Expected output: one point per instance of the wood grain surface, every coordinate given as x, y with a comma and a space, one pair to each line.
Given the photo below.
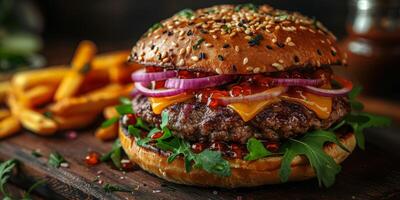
370, 174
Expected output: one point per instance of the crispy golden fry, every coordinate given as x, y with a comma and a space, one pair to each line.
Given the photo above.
93, 102
95, 79
9, 126
36, 96
75, 122
80, 66
4, 113
109, 60
110, 112
122, 73
4, 88
107, 133
48, 76
31, 119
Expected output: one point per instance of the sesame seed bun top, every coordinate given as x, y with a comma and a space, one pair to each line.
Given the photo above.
243, 39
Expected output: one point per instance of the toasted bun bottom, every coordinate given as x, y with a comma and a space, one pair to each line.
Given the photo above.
244, 173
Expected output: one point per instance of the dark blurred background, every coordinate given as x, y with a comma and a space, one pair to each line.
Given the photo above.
369, 30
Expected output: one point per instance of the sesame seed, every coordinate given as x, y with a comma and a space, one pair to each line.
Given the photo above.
208, 45
245, 60
181, 62
278, 66
274, 40
237, 49
165, 59
188, 49
157, 36
247, 37
174, 44
280, 61
182, 51
214, 36
292, 44
288, 39
164, 54
218, 70
249, 68
256, 70
195, 58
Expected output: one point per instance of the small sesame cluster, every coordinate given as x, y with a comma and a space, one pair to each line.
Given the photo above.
189, 36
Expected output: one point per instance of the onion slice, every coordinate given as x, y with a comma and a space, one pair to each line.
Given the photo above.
296, 81
198, 83
142, 76
156, 93
267, 94
347, 86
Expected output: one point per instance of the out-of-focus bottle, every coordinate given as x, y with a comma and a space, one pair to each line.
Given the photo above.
373, 46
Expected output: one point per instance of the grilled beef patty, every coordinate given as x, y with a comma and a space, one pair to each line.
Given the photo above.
195, 121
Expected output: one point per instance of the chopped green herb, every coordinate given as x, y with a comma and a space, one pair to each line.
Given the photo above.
125, 101
256, 150
109, 122
132, 130
55, 160
255, 40
164, 119
282, 17
212, 162
124, 109
154, 27
141, 124
186, 13
36, 154
198, 43
27, 194
109, 188
85, 69
106, 157
6, 169
226, 28
248, 6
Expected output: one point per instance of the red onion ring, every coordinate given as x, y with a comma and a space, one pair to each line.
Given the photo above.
198, 83
346, 84
267, 94
142, 76
296, 81
156, 93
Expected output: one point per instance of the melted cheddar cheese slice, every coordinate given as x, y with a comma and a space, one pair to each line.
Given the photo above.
158, 104
248, 110
322, 106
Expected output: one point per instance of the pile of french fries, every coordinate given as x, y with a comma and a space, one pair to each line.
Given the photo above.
58, 98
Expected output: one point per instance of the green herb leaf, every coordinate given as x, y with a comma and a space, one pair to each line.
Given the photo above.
6, 169
27, 194
36, 154
164, 119
55, 160
125, 101
124, 109
186, 13
109, 122
106, 157
109, 188
212, 162
255, 41
143, 142
248, 6
354, 103
311, 145
134, 131
116, 158
154, 27
141, 124
256, 150
361, 121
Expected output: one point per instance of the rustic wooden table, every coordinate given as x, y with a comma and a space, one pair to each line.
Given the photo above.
370, 174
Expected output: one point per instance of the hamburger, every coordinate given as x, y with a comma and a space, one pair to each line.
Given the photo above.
239, 96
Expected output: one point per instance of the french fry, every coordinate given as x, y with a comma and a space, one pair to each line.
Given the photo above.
93, 102
107, 133
31, 119
110, 112
4, 88
9, 126
74, 122
107, 60
29, 79
122, 73
36, 96
4, 113
94, 79
80, 65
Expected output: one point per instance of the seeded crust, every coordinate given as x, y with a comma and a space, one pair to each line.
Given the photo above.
244, 173
225, 40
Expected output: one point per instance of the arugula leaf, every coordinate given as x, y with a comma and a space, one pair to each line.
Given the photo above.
125, 101
116, 158
6, 169
55, 160
124, 109
109, 122
141, 124
109, 188
354, 103
106, 157
311, 145
27, 194
212, 162
134, 131
360, 121
256, 150
164, 119
36, 154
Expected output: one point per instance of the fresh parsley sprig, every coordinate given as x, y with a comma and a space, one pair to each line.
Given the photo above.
6, 169
55, 160
109, 188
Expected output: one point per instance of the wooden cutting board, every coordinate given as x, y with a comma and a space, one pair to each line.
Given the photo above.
370, 174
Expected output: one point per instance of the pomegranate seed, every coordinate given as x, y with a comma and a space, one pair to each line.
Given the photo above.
236, 91
198, 147
246, 90
219, 146
237, 151
272, 146
129, 119
157, 135
93, 158
159, 84
213, 103
127, 165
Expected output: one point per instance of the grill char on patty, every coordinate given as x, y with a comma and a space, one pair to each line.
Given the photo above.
196, 122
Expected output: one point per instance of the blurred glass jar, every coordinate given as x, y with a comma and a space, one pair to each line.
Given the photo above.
373, 46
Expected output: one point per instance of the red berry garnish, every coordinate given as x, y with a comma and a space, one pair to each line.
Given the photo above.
93, 158
157, 135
